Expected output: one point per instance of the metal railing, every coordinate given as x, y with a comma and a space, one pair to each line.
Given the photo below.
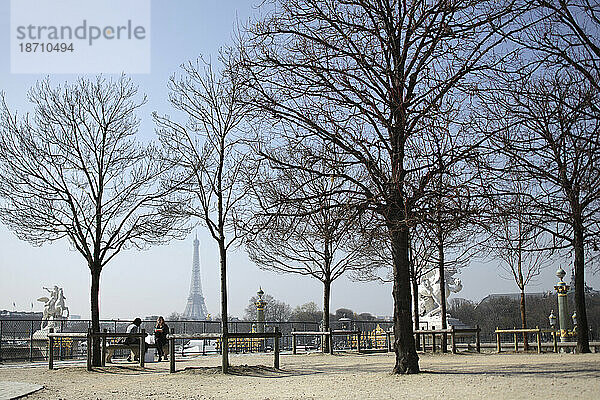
18, 344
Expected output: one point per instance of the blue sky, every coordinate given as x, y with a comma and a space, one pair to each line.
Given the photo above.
157, 281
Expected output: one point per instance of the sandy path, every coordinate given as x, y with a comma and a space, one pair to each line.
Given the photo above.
315, 376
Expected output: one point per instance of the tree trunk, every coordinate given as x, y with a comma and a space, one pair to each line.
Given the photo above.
415, 300
521, 283
524, 320
407, 360
224, 319
441, 267
415, 287
583, 340
326, 299
95, 312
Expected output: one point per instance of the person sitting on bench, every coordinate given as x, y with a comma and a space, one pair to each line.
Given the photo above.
133, 342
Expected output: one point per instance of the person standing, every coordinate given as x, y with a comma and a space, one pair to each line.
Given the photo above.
160, 337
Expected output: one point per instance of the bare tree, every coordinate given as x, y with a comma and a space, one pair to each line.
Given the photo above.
370, 77
303, 223
551, 135
307, 312
73, 169
206, 154
275, 310
446, 225
516, 238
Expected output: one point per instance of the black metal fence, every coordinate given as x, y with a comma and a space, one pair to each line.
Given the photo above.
18, 342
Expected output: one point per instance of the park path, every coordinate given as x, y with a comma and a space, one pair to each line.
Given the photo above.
15, 390
317, 376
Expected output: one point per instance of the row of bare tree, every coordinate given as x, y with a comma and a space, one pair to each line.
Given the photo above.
337, 136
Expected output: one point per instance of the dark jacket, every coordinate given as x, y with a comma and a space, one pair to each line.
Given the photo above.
161, 336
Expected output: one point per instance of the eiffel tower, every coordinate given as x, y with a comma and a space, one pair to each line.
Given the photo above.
195, 308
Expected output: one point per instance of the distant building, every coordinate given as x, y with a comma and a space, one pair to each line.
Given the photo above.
20, 315
515, 296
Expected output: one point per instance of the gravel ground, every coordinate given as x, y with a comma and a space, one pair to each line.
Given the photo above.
317, 376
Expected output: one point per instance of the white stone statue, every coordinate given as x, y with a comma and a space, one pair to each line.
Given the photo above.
54, 307
61, 308
429, 291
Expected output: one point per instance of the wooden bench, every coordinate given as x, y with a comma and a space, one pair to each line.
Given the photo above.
133, 348
171, 337
105, 336
326, 335
454, 332
60, 335
515, 332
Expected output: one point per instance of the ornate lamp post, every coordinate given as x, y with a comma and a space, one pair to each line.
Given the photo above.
561, 289
260, 311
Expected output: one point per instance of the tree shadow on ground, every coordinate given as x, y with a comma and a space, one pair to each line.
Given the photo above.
258, 371
533, 370
124, 370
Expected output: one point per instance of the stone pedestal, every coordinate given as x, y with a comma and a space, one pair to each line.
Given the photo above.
40, 342
40, 338
435, 322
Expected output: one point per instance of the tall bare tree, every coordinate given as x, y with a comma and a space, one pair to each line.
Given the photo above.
445, 224
206, 154
370, 77
303, 223
73, 169
549, 129
517, 239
